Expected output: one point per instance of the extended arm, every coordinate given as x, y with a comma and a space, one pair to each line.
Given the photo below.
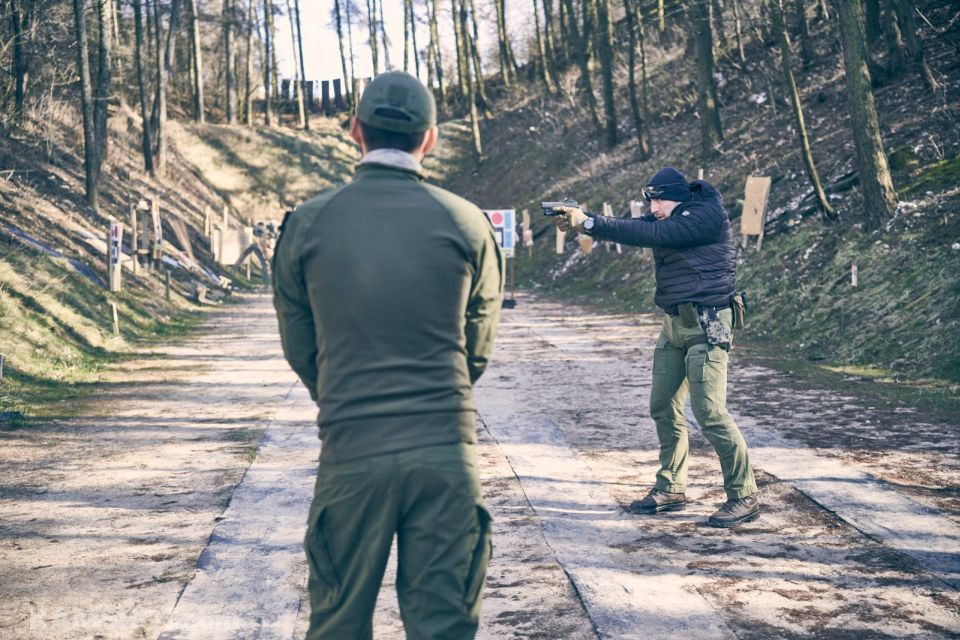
695, 226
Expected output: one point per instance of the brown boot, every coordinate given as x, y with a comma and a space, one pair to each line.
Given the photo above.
657, 501
736, 511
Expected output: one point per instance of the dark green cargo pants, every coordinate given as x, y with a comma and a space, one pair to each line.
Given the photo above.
431, 499
700, 371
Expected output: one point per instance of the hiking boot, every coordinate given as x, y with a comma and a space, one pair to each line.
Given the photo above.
736, 511
657, 501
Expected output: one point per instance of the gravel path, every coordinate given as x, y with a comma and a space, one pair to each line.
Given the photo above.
151, 513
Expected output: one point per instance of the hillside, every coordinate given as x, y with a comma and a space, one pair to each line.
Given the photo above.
902, 320
55, 313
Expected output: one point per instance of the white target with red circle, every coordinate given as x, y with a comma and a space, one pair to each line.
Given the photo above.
504, 227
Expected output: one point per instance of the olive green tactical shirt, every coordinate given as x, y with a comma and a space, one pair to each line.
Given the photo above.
388, 293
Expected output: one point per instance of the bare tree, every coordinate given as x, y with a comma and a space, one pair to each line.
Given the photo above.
229, 24
435, 60
372, 27
160, 104
104, 82
248, 89
461, 18
413, 38
383, 35
582, 48
86, 103
303, 71
195, 42
906, 11
21, 20
605, 53
541, 51
141, 84
459, 33
297, 67
472, 41
880, 198
779, 26
508, 65
640, 122
268, 55
343, 56
711, 132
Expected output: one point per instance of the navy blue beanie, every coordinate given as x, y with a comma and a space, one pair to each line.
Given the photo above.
668, 184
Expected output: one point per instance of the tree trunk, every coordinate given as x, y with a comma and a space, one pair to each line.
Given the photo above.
779, 26
872, 21
806, 43
195, 42
583, 61
541, 51
372, 28
436, 60
104, 82
353, 70
638, 121
478, 67
141, 84
21, 13
161, 101
248, 72
406, 35
906, 14
268, 44
896, 48
343, 56
710, 128
605, 53
459, 34
86, 104
413, 38
230, 71
549, 41
383, 35
738, 30
297, 66
880, 198
716, 15
303, 71
471, 96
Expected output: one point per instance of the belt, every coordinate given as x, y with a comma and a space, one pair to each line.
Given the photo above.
674, 310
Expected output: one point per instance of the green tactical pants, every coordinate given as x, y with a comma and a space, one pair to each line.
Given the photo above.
431, 499
701, 372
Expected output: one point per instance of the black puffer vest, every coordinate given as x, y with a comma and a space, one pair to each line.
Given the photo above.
693, 249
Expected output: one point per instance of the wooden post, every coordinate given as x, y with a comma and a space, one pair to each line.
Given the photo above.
226, 217
134, 246
116, 319
157, 255
1, 367
114, 254
853, 274
325, 97
608, 211
166, 283
337, 95
527, 233
561, 236
206, 221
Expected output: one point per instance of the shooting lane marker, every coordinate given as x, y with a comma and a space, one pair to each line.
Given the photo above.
116, 319
561, 237
636, 210
527, 233
114, 255
133, 239
754, 209
157, 253
853, 274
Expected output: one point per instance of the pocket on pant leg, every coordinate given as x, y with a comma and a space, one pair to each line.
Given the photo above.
479, 560
323, 572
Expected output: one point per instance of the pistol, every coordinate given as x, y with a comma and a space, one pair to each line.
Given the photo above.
550, 208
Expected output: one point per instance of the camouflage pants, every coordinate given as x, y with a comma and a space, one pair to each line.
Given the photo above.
699, 371
430, 498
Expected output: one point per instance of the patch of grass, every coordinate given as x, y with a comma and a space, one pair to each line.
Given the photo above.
934, 177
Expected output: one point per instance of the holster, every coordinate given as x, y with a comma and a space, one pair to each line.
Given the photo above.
738, 304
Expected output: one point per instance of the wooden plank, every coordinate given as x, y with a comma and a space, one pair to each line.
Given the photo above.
754, 205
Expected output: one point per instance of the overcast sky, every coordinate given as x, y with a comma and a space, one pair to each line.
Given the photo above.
321, 52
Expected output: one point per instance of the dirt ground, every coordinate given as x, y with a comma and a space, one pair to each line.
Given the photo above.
105, 511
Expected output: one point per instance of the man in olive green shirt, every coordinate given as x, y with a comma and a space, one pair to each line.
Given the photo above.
388, 292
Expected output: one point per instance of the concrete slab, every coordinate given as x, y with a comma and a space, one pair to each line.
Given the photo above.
250, 578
